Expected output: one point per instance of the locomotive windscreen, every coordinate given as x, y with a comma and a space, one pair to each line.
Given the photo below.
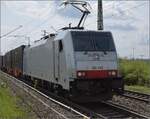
92, 41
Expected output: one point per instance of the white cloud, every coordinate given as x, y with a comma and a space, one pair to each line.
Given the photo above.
33, 9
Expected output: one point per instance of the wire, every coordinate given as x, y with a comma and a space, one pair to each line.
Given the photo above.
125, 10
5, 35
45, 21
129, 9
31, 21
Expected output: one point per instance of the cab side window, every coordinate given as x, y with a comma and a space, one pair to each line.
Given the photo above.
60, 46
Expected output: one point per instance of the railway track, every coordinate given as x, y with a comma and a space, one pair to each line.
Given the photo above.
97, 110
109, 110
106, 110
137, 96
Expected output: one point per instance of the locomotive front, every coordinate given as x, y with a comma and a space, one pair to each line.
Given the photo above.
95, 64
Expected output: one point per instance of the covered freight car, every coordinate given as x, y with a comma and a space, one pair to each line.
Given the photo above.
1, 62
13, 61
4, 63
8, 62
17, 61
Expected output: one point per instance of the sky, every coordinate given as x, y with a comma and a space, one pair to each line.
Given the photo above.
127, 20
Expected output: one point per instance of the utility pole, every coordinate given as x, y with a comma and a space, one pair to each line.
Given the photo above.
100, 15
28, 38
133, 53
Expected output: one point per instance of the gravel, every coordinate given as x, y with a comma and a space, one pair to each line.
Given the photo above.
133, 104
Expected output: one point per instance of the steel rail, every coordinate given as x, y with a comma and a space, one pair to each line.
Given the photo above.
136, 95
127, 110
110, 110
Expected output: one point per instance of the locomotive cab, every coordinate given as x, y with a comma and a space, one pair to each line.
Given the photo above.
95, 55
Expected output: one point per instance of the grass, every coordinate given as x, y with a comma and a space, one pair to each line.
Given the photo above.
8, 105
141, 89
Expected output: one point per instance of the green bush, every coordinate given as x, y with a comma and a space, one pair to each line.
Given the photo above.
131, 79
135, 72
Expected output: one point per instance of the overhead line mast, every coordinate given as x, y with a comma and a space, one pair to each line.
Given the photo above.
100, 15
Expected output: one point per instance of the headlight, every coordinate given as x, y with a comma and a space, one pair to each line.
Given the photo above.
80, 74
109, 73
113, 73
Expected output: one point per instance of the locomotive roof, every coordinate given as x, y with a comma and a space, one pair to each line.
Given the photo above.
62, 34
42, 40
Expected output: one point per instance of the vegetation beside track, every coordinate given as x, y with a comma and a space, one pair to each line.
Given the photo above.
9, 105
136, 88
135, 72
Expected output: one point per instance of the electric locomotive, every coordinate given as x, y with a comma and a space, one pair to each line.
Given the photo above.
78, 62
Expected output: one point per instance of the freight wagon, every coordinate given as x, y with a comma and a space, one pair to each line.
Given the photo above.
13, 61
17, 61
1, 62
8, 62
